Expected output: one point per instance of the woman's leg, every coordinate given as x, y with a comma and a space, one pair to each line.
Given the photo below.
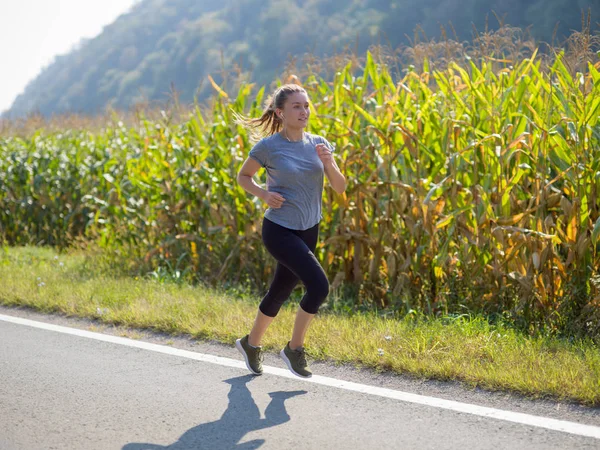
284, 282
303, 318
308, 269
297, 255
261, 323
296, 261
291, 249
281, 287
301, 324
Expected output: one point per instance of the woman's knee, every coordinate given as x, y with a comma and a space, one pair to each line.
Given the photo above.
316, 293
270, 308
321, 288
273, 301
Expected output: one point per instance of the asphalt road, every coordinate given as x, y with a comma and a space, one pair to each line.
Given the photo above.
62, 391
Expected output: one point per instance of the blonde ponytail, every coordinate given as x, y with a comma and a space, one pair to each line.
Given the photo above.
269, 122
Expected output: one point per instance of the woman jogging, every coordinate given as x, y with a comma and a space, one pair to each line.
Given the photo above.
295, 162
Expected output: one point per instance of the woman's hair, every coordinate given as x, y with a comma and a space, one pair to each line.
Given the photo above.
269, 122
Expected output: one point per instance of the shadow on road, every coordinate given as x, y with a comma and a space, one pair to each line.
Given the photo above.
241, 417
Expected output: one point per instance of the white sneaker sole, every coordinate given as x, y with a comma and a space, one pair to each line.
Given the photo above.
238, 345
289, 364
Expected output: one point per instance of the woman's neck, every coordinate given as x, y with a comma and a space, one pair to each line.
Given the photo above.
292, 135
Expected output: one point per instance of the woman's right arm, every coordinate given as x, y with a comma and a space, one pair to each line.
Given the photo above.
246, 181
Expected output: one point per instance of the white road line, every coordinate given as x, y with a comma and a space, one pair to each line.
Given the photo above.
509, 416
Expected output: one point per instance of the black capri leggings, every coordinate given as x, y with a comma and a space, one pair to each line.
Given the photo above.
294, 252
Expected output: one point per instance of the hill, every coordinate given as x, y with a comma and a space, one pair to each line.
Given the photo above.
161, 44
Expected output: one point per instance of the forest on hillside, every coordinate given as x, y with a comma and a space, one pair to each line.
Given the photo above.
163, 46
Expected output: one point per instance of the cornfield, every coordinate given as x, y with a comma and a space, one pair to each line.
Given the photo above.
472, 187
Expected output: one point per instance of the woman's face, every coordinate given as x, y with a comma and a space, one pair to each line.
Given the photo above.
296, 111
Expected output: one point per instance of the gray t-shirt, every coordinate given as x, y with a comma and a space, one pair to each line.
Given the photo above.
295, 171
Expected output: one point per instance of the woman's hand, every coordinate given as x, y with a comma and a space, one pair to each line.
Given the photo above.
332, 171
324, 154
273, 199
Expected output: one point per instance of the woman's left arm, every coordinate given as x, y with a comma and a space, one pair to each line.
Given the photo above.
332, 171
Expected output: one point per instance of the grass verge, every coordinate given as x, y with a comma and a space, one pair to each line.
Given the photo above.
465, 349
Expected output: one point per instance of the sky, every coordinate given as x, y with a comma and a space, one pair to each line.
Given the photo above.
33, 32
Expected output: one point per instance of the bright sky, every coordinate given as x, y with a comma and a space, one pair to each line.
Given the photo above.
32, 32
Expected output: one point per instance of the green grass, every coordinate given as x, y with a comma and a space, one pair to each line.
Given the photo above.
465, 349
